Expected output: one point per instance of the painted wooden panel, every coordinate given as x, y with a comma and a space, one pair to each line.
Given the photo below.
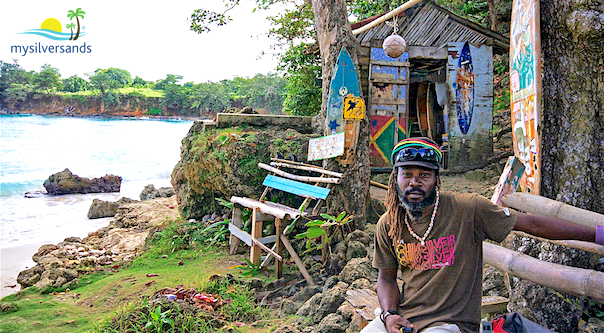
388, 86
470, 80
525, 90
295, 187
326, 147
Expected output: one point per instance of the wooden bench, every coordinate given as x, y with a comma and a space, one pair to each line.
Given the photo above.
365, 301
281, 215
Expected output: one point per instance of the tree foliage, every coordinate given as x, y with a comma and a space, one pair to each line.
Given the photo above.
105, 80
14, 83
75, 83
48, 78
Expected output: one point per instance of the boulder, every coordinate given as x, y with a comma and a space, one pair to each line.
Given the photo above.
322, 304
289, 307
362, 283
28, 277
100, 208
7, 307
356, 249
44, 250
333, 323
356, 269
43, 283
149, 192
360, 236
65, 182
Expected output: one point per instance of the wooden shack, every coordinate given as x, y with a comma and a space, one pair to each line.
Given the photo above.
442, 87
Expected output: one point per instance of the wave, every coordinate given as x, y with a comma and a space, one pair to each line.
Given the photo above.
51, 34
19, 188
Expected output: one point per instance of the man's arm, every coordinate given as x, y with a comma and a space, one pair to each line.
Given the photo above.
553, 228
389, 296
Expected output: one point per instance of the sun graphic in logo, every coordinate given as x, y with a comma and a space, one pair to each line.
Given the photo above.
53, 29
52, 24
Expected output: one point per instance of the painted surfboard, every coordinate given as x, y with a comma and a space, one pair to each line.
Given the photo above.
344, 82
525, 90
464, 89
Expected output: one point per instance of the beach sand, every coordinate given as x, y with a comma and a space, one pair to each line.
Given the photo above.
12, 261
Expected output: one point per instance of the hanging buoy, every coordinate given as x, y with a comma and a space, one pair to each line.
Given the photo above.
394, 45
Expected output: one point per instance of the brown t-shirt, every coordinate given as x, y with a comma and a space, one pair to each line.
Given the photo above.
443, 278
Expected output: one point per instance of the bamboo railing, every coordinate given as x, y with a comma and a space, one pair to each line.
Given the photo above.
576, 281
571, 280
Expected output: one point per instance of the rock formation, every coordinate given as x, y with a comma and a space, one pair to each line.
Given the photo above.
149, 192
100, 208
65, 182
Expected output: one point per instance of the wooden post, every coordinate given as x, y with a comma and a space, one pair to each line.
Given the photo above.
279, 246
256, 233
297, 260
238, 222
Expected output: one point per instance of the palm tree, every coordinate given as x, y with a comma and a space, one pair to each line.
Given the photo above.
70, 26
77, 14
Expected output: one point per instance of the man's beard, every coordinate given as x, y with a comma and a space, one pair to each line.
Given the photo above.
415, 208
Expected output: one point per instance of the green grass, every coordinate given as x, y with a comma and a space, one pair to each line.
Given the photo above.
145, 92
100, 295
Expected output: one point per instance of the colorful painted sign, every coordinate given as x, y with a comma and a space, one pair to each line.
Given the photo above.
344, 82
509, 180
388, 84
464, 89
354, 108
525, 90
326, 147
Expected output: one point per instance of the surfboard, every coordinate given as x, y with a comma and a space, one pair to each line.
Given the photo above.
464, 89
525, 90
344, 82
430, 113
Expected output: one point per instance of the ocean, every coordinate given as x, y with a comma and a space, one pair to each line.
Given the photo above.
141, 151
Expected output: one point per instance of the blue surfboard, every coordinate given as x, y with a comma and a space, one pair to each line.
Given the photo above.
464, 89
344, 82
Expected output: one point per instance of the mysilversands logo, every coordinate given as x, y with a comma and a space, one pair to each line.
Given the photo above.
51, 28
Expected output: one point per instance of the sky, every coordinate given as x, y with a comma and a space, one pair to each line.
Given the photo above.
148, 39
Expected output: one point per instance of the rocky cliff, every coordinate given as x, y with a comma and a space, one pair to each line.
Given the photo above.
222, 162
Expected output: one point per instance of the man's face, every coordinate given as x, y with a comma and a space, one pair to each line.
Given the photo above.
415, 184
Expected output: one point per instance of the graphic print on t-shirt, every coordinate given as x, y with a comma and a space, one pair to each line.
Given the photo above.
436, 254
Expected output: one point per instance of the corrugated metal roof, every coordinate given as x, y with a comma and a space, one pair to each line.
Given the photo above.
432, 25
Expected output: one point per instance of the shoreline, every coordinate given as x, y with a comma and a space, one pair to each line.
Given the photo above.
14, 260
102, 116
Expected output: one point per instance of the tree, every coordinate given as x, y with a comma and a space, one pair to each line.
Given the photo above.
70, 26
48, 78
77, 14
109, 79
170, 79
13, 73
572, 135
75, 83
333, 32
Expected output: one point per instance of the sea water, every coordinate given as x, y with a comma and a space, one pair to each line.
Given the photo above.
34, 147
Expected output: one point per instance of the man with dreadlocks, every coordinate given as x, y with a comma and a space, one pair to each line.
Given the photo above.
435, 239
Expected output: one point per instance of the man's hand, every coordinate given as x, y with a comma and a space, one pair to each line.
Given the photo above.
395, 322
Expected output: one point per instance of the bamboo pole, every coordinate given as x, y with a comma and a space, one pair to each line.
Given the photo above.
376, 184
580, 245
543, 206
300, 178
307, 168
576, 281
386, 17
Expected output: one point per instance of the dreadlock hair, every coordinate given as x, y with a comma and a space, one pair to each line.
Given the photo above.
395, 209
